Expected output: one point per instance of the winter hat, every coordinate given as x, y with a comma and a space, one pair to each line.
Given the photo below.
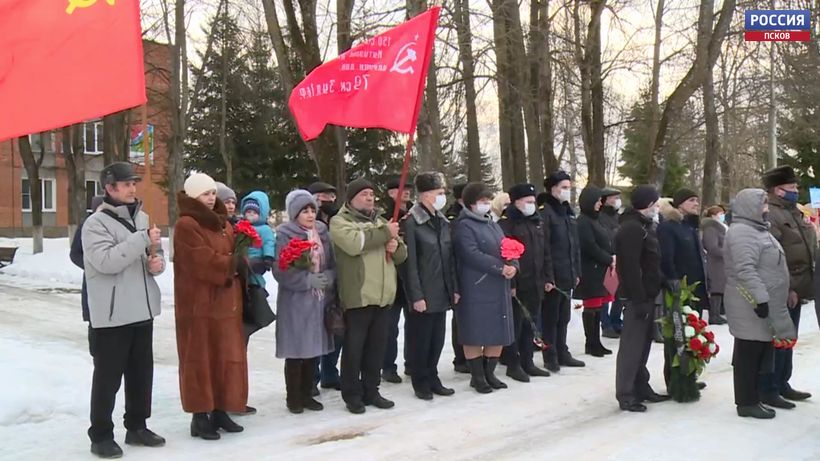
643, 196
428, 181
779, 176
541, 198
356, 186
296, 201
199, 183
392, 183
519, 191
555, 178
458, 189
251, 205
609, 192
474, 192
318, 187
682, 195
224, 192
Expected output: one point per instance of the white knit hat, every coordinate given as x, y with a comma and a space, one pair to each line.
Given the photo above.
199, 183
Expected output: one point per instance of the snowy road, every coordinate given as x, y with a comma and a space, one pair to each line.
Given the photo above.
46, 380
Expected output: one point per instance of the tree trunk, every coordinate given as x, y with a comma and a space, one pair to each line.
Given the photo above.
710, 162
116, 138
32, 166
74, 154
344, 41
508, 178
465, 51
654, 103
227, 157
709, 43
431, 157
541, 81
596, 159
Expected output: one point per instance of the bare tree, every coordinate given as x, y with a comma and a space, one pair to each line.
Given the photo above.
429, 123
465, 47
74, 154
32, 166
116, 137
227, 156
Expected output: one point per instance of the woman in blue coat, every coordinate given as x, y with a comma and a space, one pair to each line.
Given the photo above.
484, 314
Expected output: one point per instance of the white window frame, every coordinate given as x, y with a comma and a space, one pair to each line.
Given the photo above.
98, 190
43, 181
98, 141
50, 148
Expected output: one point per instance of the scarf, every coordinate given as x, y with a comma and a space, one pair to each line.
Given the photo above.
317, 255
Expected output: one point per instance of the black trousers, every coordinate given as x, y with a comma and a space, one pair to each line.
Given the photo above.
392, 349
123, 351
519, 353
363, 351
458, 349
555, 314
750, 359
424, 335
631, 374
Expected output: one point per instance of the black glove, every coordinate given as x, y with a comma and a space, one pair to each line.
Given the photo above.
762, 310
258, 266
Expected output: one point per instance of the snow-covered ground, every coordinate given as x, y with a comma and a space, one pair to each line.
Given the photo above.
573, 415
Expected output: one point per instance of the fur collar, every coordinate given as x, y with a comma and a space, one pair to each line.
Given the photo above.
210, 219
672, 214
421, 216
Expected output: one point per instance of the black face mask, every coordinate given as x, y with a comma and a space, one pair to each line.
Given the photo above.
328, 208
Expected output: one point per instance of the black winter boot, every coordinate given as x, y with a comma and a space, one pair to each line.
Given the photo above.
293, 386
597, 331
107, 449
755, 411
220, 419
590, 346
489, 372
308, 372
201, 427
479, 379
567, 360
143, 438
516, 372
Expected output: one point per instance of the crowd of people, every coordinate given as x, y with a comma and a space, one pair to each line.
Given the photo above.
752, 261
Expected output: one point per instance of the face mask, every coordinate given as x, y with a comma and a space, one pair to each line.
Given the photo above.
765, 216
565, 195
722, 218
440, 203
790, 196
328, 207
656, 218
653, 215
617, 204
528, 209
482, 208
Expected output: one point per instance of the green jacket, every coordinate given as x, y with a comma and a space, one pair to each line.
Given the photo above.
798, 241
365, 277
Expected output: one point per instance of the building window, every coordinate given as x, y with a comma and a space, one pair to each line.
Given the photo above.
39, 139
48, 189
92, 189
93, 137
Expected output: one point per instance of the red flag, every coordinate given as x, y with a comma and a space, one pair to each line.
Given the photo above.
377, 84
65, 61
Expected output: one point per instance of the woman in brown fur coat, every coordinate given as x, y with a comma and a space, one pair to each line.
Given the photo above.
213, 365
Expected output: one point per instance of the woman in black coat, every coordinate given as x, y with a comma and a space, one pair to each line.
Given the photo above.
429, 276
597, 257
713, 231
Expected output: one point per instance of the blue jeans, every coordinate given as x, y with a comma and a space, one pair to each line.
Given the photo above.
773, 383
611, 315
328, 373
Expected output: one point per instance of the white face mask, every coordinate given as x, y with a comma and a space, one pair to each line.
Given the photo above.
528, 209
617, 204
441, 202
565, 195
482, 208
653, 215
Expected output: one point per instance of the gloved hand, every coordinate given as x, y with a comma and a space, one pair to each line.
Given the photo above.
318, 280
258, 266
762, 310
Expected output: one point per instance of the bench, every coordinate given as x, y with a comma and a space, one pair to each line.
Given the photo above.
7, 255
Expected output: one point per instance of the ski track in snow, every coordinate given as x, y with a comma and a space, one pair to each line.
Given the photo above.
47, 375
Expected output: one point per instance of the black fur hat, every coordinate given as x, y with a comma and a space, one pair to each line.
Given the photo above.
519, 191
556, 178
430, 180
779, 176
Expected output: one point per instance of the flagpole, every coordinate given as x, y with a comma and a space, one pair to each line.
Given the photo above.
146, 158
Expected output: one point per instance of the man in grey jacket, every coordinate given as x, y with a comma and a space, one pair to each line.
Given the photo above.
121, 256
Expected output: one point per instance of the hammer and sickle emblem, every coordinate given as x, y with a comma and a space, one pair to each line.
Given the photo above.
405, 59
74, 4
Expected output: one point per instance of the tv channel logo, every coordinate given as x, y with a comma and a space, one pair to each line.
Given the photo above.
778, 26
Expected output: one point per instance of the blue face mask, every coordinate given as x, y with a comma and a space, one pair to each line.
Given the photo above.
722, 218
790, 196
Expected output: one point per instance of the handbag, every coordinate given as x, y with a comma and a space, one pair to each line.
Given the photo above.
334, 319
256, 310
611, 281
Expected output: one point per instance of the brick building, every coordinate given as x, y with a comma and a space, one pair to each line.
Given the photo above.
15, 201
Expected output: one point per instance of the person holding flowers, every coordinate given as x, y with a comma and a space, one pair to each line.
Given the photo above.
756, 296
485, 317
306, 273
213, 364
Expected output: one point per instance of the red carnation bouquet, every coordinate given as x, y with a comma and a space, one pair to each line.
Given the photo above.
246, 236
511, 249
296, 254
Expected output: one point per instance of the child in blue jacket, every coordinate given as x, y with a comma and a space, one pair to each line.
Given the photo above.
255, 208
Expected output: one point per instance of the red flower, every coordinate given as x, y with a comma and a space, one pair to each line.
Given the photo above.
295, 252
701, 324
245, 229
511, 249
710, 336
695, 344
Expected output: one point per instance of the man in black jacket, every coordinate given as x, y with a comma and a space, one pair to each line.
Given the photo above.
391, 352
459, 362
638, 256
521, 222
562, 237
611, 322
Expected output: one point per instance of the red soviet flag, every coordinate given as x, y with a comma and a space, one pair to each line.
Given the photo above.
376, 84
65, 61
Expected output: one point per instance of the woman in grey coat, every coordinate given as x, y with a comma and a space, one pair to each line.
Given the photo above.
303, 296
485, 320
757, 287
713, 232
